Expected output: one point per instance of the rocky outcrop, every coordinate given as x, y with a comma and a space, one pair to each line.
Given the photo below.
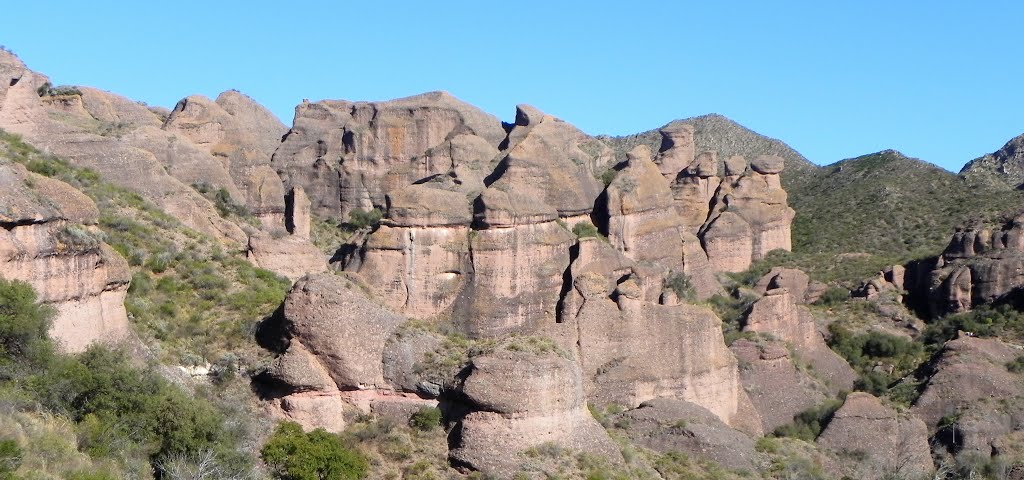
668, 425
519, 254
349, 155
979, 266
728, 241
519, 400
971, 400
554, 162
777, 388
120, 139
854, 433
49, 239
418, 259
336, 337
757, 198
1005, 165
244, 135
292, 254
632, 350
777, 314
641, 221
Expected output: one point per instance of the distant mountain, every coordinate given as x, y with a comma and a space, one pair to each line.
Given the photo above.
888, 204
1005, 166
719, 133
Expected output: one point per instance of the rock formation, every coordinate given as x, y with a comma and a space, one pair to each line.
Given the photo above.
779, 315
292, 254
349, 155
669, 425
778, 389
120, 139
971, 400
879, 441
336, 338
418, 259
980, 265
519, 400
49, 239
1005, 165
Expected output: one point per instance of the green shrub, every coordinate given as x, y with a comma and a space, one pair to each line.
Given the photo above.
833, 296
585, 229
10, 458
680, 284
359, 219
984, 321
1017, 365
865, 351
24, 324
426, 419
318, 455
807, 425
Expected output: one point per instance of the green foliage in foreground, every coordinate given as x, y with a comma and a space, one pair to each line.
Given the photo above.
317, 455
118, 412
985, 321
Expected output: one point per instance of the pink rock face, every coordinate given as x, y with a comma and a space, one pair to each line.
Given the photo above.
121, 140
902, 451
978, 267
777, 389
778, 315
243, 135
49, 240
729, 243
641, 221
350, 154
677, 150
519, 400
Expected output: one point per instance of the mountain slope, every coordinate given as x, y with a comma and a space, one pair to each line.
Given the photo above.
1003, 167
888, 204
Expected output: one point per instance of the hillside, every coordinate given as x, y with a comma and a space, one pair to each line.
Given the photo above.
889, 205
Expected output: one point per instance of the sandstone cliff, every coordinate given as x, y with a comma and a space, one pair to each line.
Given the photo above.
49, 239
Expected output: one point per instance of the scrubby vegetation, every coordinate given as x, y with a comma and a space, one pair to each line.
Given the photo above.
95, 412
807, 425
880, 358
317, 455
194, 302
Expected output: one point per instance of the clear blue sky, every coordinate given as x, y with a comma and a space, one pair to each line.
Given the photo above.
939, 80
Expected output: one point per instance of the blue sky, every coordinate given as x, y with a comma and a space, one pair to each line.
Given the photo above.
937, 80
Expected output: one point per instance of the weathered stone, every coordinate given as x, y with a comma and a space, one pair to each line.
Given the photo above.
778, 315
793, 280
677, 149
767, 164
777, 389
670, 425
854, 432
519, 400
729, 243
49, 239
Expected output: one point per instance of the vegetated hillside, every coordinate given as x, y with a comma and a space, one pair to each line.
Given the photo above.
888, 205
719, 133
1003, 167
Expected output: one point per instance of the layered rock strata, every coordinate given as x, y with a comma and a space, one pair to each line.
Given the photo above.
49, 239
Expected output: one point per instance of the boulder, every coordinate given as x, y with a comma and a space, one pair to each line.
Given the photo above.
877, 441
767, 164
795, 281
519, 400
669, 425
728, 242
677, 149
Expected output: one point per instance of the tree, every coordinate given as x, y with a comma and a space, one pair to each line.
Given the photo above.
318, 455
24, 326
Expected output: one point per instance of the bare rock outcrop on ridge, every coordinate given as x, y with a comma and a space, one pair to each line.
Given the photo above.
120, 139
971, 385
49, 239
